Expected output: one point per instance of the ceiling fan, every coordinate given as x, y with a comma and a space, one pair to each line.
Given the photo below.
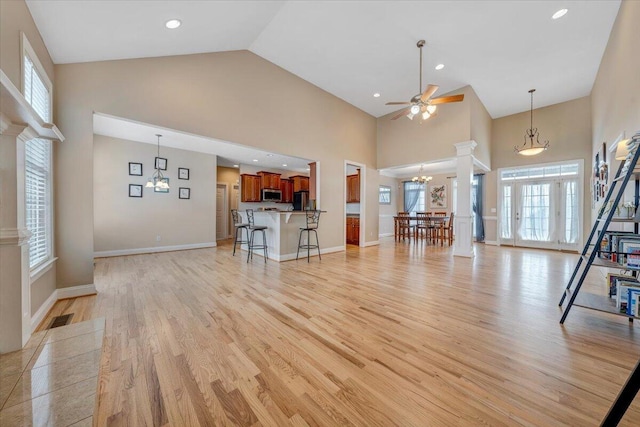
422, 103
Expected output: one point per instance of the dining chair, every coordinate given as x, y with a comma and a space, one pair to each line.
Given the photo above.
438, 228
448, 230
404, 225
422, 225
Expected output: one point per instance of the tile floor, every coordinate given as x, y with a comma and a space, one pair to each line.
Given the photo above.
53, 380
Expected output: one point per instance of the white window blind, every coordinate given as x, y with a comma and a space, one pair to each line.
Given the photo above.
38, 200
36, 91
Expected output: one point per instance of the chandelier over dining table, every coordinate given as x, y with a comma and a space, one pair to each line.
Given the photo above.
421, 178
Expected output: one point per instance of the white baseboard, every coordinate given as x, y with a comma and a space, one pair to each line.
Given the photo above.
58, 294
374, 243
76, 291
138, 251
491, 242
292, 256
385, 235
43, 310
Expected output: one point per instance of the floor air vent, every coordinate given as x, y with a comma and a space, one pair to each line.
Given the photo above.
60, 321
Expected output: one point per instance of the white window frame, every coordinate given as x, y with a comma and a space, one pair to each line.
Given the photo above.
45, 264
27, 49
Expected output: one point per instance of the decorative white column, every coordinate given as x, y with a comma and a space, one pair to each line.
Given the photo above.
463, 219
15, 292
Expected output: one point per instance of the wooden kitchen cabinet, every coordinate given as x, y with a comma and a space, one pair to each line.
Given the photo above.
286, 188
300, 183
269, 180
249, 188
353, 230
353, 188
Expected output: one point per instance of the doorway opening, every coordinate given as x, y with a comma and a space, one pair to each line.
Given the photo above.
222, 231
541, 206
354, 201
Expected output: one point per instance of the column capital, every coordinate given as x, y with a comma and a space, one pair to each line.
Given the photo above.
465, 148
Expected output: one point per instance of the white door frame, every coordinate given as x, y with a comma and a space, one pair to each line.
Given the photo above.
225, 216
363, 200
581, 195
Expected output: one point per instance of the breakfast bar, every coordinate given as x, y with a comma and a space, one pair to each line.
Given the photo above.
283, 231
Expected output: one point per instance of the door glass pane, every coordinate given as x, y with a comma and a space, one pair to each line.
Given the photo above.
535, 209
505, 214
571, 223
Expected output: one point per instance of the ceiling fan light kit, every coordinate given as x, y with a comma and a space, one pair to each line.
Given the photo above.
531, 147
422, 103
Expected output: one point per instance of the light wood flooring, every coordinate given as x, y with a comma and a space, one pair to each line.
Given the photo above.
401, 334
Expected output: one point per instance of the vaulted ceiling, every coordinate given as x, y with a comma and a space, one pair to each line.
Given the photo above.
354, 49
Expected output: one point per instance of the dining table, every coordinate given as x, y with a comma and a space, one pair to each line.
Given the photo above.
438, 221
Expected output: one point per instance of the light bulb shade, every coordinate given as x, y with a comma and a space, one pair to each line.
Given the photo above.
622, 150
431, 109
410, 116
150, 183
425, 115
531, 151
415, 109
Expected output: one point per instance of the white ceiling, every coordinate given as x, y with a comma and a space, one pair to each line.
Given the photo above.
228, 153
355, 48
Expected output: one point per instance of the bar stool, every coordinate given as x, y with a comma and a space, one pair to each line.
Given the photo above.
238, 226
253, 228
313, 218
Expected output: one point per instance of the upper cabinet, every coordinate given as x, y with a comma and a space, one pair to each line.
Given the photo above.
250, 188
300, 183
269, 180
286, 188
353, 188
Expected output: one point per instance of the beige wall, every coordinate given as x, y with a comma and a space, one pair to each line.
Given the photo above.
207, 95
567, 126
124, 223
42, 288
388, 211
615, 97
14, 18
404, 142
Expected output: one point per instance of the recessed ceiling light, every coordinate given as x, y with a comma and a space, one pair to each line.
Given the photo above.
235, 166
284, 164
376, 95
439, 66
172, 24
269, 155
255, 160
559, 14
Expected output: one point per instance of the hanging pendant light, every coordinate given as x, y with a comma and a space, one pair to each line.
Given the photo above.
157, 180
531, 148
421, 178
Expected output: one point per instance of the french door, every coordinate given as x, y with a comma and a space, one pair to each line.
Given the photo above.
541, 212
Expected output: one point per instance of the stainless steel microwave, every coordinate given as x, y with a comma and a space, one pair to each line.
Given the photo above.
269, 195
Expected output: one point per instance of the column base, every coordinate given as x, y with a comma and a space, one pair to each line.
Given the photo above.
463, 243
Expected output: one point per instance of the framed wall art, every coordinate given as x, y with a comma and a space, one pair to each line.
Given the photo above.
438, 196
183, 173
161, 163
135, 190
184, 193
135, 169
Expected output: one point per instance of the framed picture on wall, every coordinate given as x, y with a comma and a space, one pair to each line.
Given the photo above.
183, 173
135, 169
438, 196
135, 190
184, 193
161, 163
162, 190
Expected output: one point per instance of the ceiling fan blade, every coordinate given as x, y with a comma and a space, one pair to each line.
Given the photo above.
430, 90
401, 113
446, 99
398, 103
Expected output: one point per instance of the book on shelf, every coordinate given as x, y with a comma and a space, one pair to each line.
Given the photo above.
622, 294
636, 298
632, 306
626, 245
612, 282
